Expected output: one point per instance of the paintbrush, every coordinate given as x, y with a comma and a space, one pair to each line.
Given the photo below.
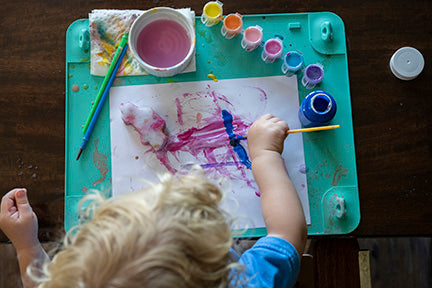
120, 48
319, 128
312, 129
104, 85
100, 105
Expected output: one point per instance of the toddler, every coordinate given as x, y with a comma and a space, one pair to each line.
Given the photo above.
173, 234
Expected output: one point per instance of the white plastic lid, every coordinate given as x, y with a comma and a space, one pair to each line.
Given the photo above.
407, 63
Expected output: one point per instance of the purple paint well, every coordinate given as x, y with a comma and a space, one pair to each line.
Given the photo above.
163, 43
314, 74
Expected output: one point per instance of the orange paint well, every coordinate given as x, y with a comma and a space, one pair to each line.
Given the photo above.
232, 22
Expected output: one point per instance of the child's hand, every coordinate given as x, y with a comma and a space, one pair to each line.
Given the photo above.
266, 134
18, 221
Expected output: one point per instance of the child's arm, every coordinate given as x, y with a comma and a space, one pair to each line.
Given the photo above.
19, 223
280, 204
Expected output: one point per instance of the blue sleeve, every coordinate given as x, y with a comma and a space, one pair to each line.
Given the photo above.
271, 262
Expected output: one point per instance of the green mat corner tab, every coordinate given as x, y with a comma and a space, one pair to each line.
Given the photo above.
340, 210
327, 33
78, 50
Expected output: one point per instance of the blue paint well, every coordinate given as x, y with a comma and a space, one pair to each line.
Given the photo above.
317, 109
294, 59
321, 104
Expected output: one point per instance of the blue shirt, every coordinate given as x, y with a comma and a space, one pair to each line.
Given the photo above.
271, 262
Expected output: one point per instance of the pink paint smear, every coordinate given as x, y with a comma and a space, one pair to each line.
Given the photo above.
208, 141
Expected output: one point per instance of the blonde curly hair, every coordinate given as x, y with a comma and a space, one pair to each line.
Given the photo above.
173, 234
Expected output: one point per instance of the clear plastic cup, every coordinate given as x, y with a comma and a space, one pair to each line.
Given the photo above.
293, 62
313, 75
252, 38
272, 50
232, 25
212, 13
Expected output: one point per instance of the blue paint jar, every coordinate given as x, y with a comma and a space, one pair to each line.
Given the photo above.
317, 109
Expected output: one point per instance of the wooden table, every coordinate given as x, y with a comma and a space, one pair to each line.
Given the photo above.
392, 118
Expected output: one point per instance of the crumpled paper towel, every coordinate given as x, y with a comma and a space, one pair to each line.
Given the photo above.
106, 29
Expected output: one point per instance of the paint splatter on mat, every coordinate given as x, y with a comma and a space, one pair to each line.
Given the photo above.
100, 161
339, 172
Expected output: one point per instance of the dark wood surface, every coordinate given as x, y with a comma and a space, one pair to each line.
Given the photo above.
392, 118
336, 263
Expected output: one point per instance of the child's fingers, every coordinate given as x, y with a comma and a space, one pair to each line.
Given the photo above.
22, 202
8, 201
285, 126
13, 209
274, 119
267, 116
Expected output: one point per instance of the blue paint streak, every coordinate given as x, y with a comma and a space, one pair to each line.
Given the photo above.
235, 140
228, 123
241, 152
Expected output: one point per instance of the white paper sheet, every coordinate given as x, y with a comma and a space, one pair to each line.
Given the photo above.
196, 106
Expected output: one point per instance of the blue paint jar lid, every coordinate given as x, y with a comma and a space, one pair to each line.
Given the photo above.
319, 107
407, 63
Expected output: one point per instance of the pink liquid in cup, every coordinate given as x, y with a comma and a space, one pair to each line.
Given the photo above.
272, 50
163, 43
253, 34
273, 47
252, 38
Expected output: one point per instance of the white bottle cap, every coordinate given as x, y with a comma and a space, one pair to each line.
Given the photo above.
407, 63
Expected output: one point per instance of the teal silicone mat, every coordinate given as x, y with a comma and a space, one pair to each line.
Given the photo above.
330, 161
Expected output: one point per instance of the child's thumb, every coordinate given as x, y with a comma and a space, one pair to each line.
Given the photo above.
22, 202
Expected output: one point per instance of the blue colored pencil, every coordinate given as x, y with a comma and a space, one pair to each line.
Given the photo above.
100, 104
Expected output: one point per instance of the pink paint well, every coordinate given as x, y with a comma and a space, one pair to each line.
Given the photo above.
273, 47
163, 43
253, 34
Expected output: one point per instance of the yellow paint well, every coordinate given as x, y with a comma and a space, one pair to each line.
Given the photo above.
212, 9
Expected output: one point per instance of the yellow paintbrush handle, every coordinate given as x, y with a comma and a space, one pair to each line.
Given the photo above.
313, 129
